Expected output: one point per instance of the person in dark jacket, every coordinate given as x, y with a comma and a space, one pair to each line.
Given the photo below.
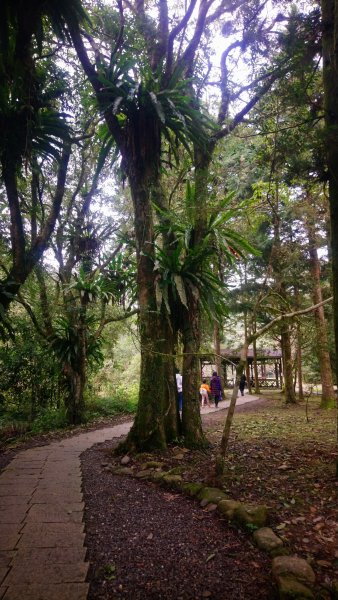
242, 383
216, 388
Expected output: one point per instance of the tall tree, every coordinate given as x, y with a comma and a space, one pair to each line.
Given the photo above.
31, 123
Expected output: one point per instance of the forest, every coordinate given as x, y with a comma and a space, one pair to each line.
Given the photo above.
168, 199
168, 179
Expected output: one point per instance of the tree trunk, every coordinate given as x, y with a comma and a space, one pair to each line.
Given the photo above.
172, 422
217, 348
322, 345
231, 410
299, 363
254, 346
191, 417
290, 396
148, 431
330, 80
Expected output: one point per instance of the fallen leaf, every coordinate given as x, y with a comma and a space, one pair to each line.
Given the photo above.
210, 557
323, 563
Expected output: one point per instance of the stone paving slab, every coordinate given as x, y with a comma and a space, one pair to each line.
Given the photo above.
3, 573
27, 572
13, 478
9, 536
66, 529
61, 591
44, 496
17, 490
14, 500
60, 555
51, 540
6, 556
13, 514
55, 513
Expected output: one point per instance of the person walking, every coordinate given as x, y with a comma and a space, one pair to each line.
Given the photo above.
242, 383
179, 385
205, 391
216, 388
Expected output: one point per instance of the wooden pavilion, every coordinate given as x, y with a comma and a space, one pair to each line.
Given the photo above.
269, 366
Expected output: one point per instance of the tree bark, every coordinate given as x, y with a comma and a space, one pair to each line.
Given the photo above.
330, 81
322, 345
148, 431
217, 348
191, 417
289, 390
299, 363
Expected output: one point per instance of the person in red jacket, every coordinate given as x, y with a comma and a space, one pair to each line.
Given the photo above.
216, 388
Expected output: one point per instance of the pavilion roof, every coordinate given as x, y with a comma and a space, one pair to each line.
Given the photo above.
261, 353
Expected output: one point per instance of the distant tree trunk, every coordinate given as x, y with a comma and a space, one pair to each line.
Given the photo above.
299, 363
75, 372
289, 392
217, 348
322, 345
254, 347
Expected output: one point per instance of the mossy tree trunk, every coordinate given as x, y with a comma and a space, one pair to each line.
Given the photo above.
191, 417
191, 326
75, 371
148, 431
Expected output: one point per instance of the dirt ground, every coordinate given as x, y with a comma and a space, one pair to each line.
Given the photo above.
147, 542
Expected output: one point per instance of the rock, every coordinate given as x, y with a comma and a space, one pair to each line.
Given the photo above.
152, 464
227, 508
294, 577
293, 566
211, 507
144, 474
125, 460
157, 475
291, 589
211, 495
252, 515
122, 471
172, 480
179, 456
126, 471
104, 464
191, 489
177, 471
266, 539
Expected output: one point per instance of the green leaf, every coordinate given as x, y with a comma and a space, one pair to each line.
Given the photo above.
179, 282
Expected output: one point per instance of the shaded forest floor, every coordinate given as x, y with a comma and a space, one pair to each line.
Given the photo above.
146, 542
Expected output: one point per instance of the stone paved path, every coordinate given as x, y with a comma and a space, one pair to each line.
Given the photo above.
42, 551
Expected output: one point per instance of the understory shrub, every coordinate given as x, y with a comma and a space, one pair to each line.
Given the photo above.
122, 400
